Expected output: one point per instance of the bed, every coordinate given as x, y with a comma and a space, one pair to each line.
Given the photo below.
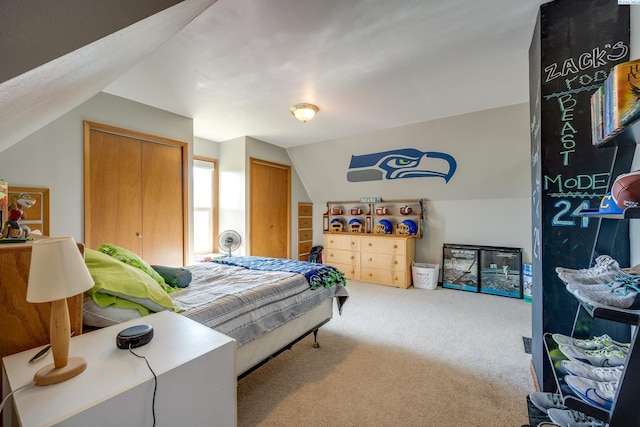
265, 304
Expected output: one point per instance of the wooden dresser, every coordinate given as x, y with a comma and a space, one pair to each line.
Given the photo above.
24, 325
383, 259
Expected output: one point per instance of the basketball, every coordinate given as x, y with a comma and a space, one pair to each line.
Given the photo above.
626, 190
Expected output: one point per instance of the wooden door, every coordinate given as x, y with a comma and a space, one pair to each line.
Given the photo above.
135, 193
113, 191
269, 209
162, 204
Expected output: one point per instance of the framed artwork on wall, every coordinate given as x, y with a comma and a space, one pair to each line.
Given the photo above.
37, 216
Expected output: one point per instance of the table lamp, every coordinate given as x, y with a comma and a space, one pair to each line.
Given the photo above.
57, 272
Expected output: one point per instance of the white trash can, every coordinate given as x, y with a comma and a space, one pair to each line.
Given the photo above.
425, 276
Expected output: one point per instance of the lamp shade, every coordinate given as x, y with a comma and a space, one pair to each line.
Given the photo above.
57, 270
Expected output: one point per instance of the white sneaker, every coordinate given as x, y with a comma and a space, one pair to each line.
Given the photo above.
606, 357
571, 418
602, 259
598, 393
594, 343
545, 401
601, 273
584, 370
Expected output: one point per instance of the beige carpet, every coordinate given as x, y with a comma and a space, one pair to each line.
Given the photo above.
399, 357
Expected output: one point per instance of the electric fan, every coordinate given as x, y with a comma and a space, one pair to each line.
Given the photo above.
229, 240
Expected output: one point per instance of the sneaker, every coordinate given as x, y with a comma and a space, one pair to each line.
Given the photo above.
545, 401
595, 343
598, 393
605, 357
603, 272
602, 259
621, 293
572, 418
584, 370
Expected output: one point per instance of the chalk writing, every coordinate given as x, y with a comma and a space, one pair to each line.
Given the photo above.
567, 134
563, 217
576, 186
595, 58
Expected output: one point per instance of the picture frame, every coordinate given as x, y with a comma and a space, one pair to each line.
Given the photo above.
501, 271
460, 267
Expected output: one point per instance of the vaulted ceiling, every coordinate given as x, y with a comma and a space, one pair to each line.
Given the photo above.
236, 66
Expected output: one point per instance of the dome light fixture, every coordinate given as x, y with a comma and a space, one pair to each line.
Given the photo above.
304, 112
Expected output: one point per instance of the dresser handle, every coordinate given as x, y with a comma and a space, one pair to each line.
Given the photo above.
370, 259
370, 244
395, 246
395, 262
370, 274
352, 257
330, 241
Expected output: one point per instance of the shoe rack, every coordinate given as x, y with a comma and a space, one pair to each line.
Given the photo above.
624, 411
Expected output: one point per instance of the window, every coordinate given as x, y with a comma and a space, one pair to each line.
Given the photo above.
205, 212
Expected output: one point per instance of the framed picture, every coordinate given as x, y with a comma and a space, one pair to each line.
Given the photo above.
501, 271
460, 267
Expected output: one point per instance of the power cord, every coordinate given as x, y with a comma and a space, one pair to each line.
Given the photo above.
155, 385
6, 399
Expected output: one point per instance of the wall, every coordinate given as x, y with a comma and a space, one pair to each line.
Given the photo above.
53, 156
487, 201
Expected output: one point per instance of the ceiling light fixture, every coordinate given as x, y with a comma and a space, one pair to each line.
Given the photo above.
304, 112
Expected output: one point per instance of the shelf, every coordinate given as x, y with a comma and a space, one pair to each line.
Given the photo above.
629, 213
620, 315
628, 135
570, 399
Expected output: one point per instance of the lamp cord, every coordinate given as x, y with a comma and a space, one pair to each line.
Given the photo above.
155, 385
6, 399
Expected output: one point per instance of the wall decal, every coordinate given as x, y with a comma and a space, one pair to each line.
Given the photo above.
403, 163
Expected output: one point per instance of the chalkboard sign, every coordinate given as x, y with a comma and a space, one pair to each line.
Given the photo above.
574, 46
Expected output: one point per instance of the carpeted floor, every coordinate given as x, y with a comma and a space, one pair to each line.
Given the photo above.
401, 358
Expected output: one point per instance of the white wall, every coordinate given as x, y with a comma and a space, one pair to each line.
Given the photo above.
232, 169
488, 200
53, 156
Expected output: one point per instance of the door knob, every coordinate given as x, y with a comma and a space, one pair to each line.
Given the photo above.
139, 235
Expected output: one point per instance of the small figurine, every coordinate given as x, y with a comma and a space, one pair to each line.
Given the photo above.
12, 227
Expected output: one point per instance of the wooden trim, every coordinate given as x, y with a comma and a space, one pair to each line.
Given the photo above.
183, 146
215, 188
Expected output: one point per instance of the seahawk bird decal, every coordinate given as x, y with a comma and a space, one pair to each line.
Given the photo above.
403, 163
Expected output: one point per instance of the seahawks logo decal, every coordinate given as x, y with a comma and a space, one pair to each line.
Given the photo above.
403, 163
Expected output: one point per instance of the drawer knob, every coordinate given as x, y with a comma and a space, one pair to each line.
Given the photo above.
395, 246
352, 257
330, 241
370, 259
370, 244
395, 262
370, 274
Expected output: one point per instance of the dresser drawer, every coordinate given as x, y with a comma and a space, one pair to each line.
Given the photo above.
383, 261
343, 257
385, 277
350, 271
386, 245
342, 241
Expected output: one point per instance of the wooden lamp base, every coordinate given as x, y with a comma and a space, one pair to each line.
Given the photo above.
52, 375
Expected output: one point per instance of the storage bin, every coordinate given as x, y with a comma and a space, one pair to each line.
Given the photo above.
425, 276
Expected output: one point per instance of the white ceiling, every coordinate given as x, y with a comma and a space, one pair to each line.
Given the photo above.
368, 64
236, 66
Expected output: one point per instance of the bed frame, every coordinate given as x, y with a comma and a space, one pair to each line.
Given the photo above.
253, 354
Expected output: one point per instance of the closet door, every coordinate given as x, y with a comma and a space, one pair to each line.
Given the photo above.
113, 191
270, 209
135, 193
162, 204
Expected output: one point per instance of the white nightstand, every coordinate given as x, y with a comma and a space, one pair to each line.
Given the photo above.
194, 365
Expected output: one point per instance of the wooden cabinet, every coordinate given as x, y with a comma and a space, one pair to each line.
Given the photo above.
135, 193
24, 325
378, 259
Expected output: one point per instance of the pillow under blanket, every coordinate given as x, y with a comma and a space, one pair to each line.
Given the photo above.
174, 276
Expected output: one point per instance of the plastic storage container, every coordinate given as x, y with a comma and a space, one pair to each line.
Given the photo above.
425, 276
